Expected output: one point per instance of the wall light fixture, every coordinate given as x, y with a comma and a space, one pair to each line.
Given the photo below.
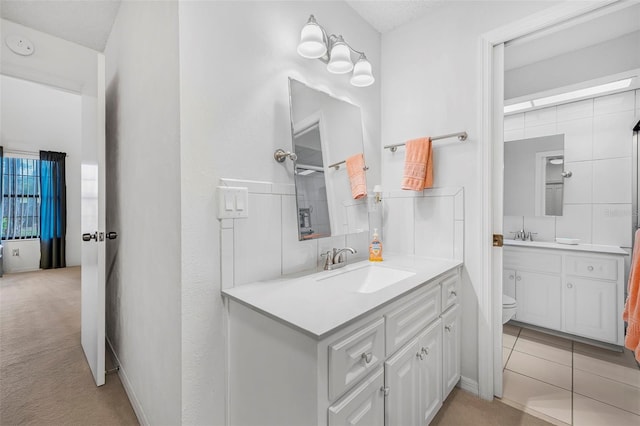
315, 43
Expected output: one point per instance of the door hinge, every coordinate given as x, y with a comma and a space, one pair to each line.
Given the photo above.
497, 240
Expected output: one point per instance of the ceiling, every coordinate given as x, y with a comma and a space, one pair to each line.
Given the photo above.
386, 15
87, 23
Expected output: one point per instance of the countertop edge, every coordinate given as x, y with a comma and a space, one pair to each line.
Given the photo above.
348, 322
585, 248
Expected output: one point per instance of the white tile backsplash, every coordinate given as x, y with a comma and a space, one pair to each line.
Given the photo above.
578, 188
612, 135
539, 131
458, 240
575, 222
575, 110
434, 227
612, 224
514, 122
578, 139
614, 103
512, 224
540, 117
398, 225
513, 135
257, 240
612, 181
544, 227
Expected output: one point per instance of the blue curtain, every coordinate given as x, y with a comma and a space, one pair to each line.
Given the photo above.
53, 210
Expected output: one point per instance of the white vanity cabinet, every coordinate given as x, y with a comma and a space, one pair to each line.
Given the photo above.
573, 290
392, 366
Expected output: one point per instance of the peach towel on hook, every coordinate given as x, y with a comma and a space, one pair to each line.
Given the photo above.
418, 165
357, 178
631, 312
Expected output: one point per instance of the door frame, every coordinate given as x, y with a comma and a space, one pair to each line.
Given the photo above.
490, 126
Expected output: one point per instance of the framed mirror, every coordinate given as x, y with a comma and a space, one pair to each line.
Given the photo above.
534, 176
325, 131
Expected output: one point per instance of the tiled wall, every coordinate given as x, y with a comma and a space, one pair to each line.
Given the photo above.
597, 145
265, 245
428, 223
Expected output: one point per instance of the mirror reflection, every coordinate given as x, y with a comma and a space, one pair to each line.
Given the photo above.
533, 176
325, 131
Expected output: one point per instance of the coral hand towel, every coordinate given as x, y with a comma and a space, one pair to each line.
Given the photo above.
418, 165
357, 179
631, 312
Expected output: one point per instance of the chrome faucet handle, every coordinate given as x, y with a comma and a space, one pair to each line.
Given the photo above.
329, 259
531, 234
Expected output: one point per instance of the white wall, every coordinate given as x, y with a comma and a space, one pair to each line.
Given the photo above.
235, 59
613, 57
143, 199
431, 87
36, 117
598, 141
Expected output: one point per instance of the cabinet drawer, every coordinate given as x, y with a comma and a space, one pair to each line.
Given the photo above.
354, 356
532, 260
362, 406
592, 267
409, 318
450, 290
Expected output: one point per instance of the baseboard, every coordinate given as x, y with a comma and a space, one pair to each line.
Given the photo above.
128, 388
469, 385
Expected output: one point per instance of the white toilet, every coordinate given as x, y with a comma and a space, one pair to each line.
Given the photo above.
509, 308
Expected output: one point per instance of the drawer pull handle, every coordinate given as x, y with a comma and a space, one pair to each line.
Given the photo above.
367, 357
420, 355
448, 328
569, 285
453, 293
590, 268
425, 350
384, 390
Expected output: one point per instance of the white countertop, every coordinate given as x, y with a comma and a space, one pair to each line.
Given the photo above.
575, 247
318, 308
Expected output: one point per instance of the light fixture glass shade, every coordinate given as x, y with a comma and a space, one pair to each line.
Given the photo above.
340, 58
362, 76
312, 43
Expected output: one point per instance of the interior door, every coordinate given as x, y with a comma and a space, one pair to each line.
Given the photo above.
93, 225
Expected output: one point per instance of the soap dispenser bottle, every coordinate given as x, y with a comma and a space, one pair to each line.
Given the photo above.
375, 248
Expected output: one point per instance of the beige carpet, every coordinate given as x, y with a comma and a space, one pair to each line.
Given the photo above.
464, 409
44, 376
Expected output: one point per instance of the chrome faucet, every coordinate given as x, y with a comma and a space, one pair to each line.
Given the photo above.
336, 258
523, 235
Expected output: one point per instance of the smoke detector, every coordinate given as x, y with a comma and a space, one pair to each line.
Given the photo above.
20, 45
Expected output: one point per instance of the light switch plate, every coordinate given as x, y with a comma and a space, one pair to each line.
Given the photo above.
233, 202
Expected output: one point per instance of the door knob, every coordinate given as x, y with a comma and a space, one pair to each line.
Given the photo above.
89, 237
112, 235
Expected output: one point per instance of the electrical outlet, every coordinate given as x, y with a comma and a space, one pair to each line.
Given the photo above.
15, 252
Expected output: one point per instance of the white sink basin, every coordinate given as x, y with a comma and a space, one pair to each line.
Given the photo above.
366, 278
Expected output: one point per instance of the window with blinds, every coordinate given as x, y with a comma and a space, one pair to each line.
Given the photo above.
20, 198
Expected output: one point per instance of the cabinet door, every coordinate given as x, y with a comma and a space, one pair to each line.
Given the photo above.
430, 371
539, 299
450, 349
364, 405
402, 404
590, 308
509, 284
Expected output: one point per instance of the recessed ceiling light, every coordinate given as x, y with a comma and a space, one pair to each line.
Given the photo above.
589, 91
517, 107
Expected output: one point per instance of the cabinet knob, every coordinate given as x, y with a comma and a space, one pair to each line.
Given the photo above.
448, 327
590, 268
384, 390
420, 355
367, 357
569, 285
453, 293
518, 278
511, 277
425, 350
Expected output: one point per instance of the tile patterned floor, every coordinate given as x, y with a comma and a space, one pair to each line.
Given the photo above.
569, 383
